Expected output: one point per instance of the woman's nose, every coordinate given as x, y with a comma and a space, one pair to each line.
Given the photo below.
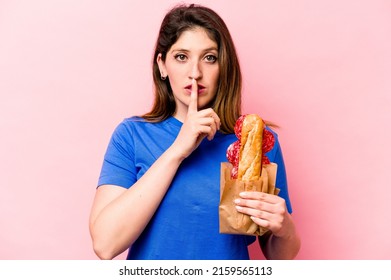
195, 71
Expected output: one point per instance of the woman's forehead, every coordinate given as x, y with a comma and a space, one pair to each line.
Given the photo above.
195, 38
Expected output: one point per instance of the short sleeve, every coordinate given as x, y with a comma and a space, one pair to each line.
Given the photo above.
275, 155
118, 164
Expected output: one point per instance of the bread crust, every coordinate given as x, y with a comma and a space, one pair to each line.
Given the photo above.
250, 154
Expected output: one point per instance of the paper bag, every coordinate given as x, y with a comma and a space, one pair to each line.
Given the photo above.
231, 221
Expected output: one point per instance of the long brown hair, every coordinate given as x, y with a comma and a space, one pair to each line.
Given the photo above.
227, 103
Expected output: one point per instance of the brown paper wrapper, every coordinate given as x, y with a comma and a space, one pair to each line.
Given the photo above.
231, 221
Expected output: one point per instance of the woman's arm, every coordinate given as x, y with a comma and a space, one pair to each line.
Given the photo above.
119, 215
280, 247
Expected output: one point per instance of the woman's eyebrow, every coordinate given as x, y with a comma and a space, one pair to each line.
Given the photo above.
211, 49
180, 50
186, 50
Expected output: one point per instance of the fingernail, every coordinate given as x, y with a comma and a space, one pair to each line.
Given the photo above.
237, 200
238, 207
243, 194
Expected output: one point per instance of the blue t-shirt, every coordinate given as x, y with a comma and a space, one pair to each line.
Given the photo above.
186, 224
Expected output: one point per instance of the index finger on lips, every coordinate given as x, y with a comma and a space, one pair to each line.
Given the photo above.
193, 105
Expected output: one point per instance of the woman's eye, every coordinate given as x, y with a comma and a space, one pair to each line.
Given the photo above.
211, 58
180, 57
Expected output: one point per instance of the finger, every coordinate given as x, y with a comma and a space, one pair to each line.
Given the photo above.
256, 205
210, 126
193, 106
218, 123
275, 224
216, 120
208, 121
211, 114
212, 132
271, 198
254, 213
271, 221
261, 222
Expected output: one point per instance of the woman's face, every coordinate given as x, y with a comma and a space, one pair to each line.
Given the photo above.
194, 55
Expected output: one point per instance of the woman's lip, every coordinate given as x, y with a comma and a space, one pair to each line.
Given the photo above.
199, 87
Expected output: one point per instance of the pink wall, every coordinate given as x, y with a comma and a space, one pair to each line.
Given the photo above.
71, 70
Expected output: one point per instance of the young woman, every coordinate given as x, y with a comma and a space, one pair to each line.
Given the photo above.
159, 188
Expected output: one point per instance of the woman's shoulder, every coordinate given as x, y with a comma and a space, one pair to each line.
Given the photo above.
137, 123
127, 125
132, 121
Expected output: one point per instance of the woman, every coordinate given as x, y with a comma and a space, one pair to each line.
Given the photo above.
158, 191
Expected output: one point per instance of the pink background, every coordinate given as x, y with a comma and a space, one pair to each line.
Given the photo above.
70, 71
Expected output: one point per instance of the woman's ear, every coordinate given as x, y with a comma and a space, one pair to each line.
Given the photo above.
162, 66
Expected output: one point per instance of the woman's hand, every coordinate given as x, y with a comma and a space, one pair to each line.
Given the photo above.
266, 210
196, 126
269, 211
